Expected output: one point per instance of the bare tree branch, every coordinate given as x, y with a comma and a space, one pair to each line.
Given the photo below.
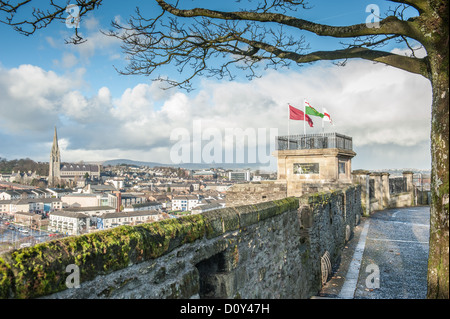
419, 5
40, 17
414, 65
390, 25
214, 43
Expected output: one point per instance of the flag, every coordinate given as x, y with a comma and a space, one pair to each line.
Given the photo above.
312, 111
327, 116
296, 114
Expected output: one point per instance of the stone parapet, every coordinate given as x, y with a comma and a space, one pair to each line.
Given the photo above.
255, 192
376, 193
274, 249
41, 269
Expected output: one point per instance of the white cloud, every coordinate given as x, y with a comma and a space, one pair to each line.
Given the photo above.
30, 98
419, 51
375, 104
68, 61
90, 22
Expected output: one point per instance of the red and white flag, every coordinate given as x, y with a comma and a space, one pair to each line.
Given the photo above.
327, 116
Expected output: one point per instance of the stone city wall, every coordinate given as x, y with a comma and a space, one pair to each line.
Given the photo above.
278, 249
255, 192
379, 196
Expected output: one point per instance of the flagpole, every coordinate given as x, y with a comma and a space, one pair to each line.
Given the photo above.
323, 129
304, 116
289, 116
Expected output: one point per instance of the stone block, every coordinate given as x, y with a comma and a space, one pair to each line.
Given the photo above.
266, 210
221, 221
248, 215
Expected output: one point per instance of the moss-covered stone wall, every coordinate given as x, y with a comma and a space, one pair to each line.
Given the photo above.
41, 270
266, 250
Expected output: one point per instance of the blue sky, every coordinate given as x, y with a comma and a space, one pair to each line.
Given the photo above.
102, 115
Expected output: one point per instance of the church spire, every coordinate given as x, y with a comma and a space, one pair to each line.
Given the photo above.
54, 172
55, 148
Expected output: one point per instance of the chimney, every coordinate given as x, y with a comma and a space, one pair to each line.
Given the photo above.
119, 201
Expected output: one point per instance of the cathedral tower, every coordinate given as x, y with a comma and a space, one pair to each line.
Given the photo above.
54, 172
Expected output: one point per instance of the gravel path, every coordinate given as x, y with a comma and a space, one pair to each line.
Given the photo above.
386, 259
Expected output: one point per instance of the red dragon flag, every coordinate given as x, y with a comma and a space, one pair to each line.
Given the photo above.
296, 114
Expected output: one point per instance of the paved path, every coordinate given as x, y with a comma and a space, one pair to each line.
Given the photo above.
386, 259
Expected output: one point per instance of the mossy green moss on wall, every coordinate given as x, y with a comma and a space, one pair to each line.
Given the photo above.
5, 279
41, 270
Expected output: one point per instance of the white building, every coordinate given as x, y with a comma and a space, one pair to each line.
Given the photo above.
117, 183
9, 195
242, 176
7, 207
58, 192
93, 212
144, 206
118, 199
184, 202
110, 220
30, 205
81, 200
70, 223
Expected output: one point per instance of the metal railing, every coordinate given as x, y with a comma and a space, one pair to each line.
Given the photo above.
314, 141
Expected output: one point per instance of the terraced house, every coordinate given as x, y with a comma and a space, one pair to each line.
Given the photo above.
70, 223
184, 202
110, 220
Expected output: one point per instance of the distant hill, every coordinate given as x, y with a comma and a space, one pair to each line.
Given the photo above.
193, 166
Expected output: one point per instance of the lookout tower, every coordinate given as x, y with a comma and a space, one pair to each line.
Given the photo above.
314, 162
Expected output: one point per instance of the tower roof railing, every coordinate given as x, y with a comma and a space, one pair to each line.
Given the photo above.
314, 141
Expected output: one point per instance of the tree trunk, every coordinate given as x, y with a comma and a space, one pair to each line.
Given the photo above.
438, 272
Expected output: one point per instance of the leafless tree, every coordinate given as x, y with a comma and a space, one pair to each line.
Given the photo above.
269, 33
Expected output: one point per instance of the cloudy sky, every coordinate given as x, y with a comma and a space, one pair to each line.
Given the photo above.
101, 115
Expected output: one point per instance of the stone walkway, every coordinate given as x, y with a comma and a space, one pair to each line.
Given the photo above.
387, 258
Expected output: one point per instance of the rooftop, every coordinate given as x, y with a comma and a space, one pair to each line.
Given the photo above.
314, 141
88, 208
130, 214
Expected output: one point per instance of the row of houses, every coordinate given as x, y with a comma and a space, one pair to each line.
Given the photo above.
79, 220
20, 177
75, 221
32, 193
77, 213
118, 201
194, 204
42, 205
